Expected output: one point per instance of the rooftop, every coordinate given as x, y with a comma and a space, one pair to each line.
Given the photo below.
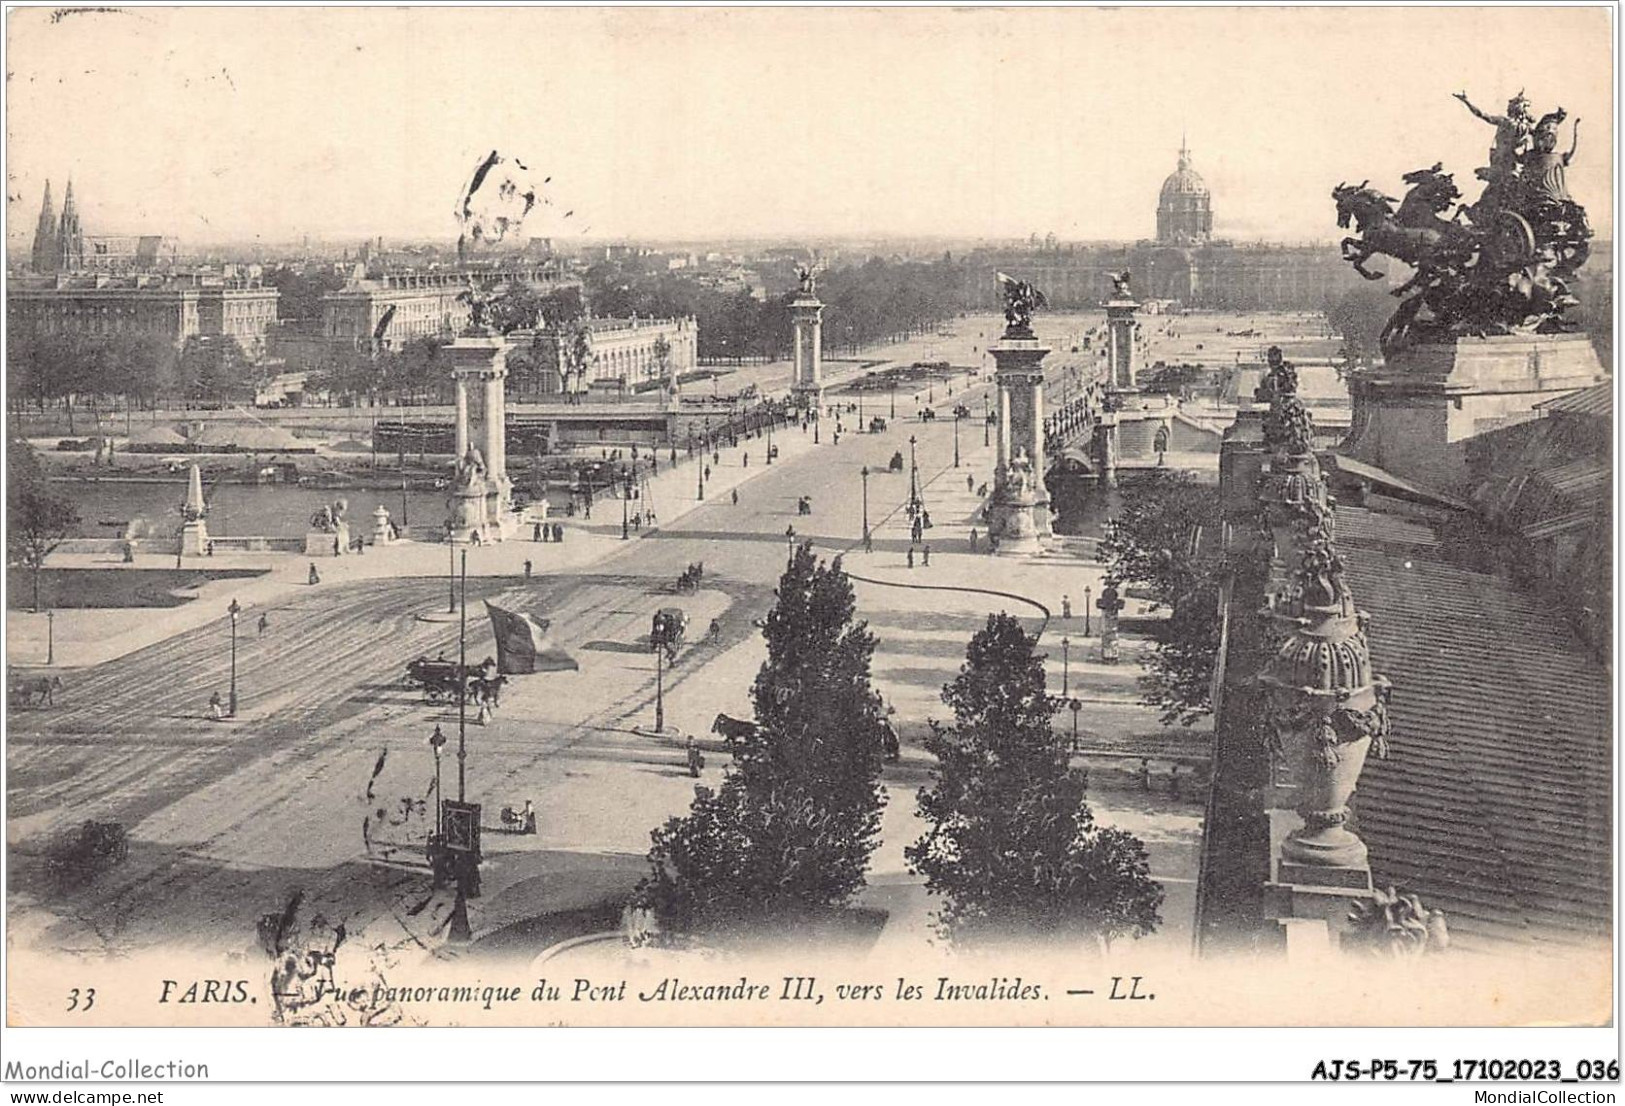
1495, 803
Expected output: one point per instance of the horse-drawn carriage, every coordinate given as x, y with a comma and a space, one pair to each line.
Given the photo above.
690, 578
877, 425
896, 464
441, 680
668, 629
31, 690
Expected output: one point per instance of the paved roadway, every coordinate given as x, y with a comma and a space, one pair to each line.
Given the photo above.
226, 816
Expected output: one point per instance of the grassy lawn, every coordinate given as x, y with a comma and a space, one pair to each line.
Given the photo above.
65, 588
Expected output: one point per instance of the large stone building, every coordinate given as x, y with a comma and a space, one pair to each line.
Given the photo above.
392, 308
172, 308
622, 355
1183, 264
61, 246
1185, 209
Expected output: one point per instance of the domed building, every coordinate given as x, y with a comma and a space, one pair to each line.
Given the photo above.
1185, 209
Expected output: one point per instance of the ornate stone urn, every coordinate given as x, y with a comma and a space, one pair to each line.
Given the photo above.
1327, 710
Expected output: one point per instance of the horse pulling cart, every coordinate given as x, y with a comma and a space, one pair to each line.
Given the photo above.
31, 690
441, 680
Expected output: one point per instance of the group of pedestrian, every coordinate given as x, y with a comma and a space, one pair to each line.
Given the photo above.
547, 531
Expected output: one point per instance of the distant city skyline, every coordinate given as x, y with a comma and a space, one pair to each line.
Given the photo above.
223, 126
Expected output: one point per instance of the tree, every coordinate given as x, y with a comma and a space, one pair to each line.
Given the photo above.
1358, 317
1165, 538
37, 521
1013, 847
789, 833
212, 369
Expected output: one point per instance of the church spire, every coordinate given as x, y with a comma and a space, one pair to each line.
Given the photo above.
45, 249
70, 242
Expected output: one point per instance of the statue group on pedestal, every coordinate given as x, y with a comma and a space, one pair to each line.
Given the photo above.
1496, 266
1021, 300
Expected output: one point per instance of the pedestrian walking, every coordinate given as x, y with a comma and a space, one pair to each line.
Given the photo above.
911, 556
1145, 775
216, 710
558, 532
264, 623
536, 532
708, 472
925, 554
315, 577
746, 459
970, 482
973, 539
868, 543
1066, 607
734, 495
527, 570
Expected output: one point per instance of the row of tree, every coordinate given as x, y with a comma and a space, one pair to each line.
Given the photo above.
1165, 538
1013, 850
91, 372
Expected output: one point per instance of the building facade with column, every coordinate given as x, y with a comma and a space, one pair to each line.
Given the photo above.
396, 307
624, 354
1183, 263
171, 308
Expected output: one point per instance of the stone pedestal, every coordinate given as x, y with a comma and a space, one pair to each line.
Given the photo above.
479, 368
1122, 370
1018, 360
807, 386
195, 538
1416, 415
328, 543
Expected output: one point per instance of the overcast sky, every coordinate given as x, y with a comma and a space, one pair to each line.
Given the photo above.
228, 124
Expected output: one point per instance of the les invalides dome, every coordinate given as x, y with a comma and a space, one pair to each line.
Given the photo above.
1185, 208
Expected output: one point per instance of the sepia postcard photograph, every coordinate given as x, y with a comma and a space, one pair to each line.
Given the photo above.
810, 517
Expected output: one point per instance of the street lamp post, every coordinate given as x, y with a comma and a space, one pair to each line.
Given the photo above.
233, 610
660, 688
436, 740
894, 397
50, 637
1066, 667
1075, 706
956, 439
1087, 630
790, 541
702, 481
626, 499
866, 506
913, 478
451, 572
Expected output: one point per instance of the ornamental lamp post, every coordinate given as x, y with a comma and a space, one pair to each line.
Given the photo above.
1087, 593
894, 397
436, 740
233, 610
1075, 706
451, 572
1066, 666
50, 637
790, 541
956, 438
626, 499
866, 505
702, 481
